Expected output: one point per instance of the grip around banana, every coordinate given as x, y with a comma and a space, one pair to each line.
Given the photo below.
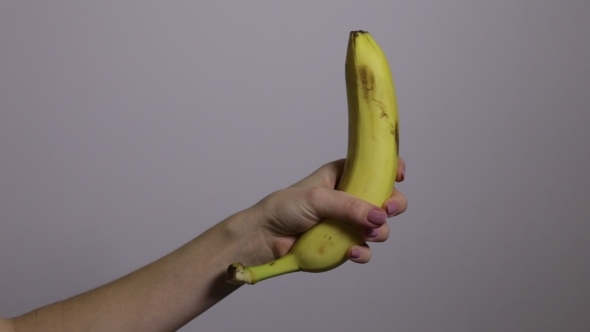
369, 171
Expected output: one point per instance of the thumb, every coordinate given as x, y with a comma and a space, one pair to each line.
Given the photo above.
330, 203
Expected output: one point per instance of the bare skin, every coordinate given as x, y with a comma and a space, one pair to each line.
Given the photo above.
170, 292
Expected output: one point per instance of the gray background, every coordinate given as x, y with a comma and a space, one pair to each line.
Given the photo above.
128, 128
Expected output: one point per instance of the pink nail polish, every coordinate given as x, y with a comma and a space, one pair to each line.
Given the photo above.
355, 253
391, 209
371, 232
377, 217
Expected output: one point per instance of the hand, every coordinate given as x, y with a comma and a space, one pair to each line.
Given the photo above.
286, 213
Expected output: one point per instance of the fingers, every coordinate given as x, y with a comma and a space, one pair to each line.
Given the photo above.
380, 234
360, 254
396, 204
328, 203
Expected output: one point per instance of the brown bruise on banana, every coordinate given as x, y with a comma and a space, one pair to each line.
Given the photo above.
367, 78
322, 248
367, 83
382, 107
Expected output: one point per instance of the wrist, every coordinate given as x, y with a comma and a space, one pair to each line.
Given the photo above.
6, 325
250, 241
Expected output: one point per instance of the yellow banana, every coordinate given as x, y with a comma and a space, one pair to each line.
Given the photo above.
369, 171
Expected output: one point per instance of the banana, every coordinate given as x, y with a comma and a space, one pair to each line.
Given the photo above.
369, 171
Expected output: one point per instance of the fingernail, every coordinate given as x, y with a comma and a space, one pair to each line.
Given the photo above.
377, 217
403, 174
371, 232
355, 253
391, 209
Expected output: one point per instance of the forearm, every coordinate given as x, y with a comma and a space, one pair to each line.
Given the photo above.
162, 296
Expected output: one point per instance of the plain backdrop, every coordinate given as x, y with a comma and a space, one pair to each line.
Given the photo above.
127, 128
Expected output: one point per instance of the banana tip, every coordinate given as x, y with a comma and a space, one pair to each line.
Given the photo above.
355, 33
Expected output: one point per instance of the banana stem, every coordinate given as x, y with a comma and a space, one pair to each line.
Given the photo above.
239, 274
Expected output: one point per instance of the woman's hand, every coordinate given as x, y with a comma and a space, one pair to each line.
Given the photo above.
171, 291
286, 213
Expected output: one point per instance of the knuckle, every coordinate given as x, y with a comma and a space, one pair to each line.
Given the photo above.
351, 208
316, 194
